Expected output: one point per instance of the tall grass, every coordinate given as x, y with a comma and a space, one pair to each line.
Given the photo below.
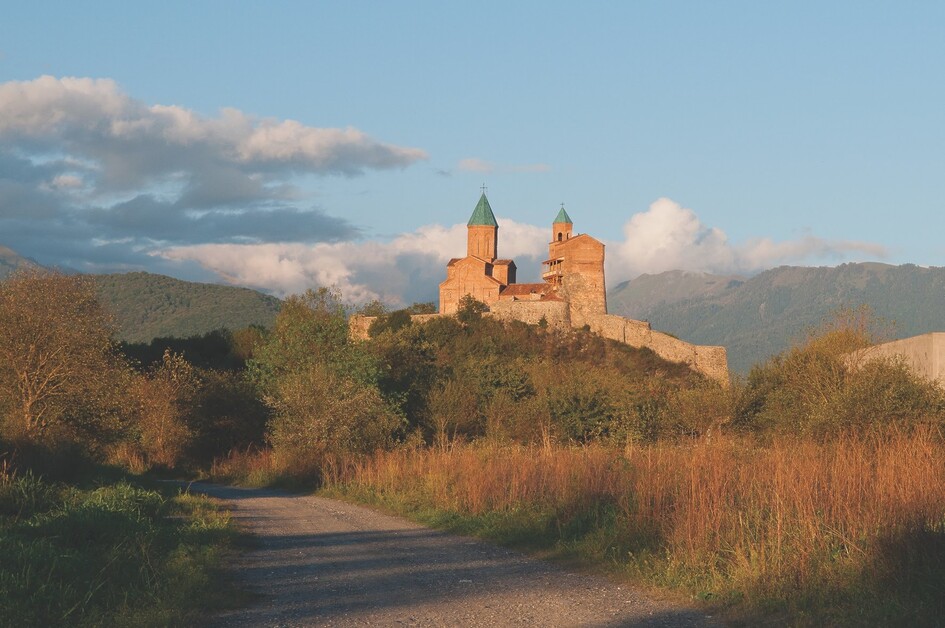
114, 554
848, 531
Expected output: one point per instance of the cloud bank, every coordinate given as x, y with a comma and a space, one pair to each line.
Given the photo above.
97, 180
410, 267
669, 236
90, 172
404, 270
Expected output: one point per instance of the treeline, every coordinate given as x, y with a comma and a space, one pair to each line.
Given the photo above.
306, 389
68, 391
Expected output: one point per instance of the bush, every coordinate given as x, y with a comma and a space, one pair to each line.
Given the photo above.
318, 412
167, 400
819, 386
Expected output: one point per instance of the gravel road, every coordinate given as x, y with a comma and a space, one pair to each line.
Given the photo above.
321, 562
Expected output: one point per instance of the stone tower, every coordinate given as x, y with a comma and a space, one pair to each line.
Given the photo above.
479, 274
562, 227
575, 267
482, 235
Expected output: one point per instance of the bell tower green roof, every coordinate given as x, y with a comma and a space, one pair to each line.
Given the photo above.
482, 215
563, 217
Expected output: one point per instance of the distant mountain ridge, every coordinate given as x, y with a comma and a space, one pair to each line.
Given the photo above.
760, 316
148, 306
11, 261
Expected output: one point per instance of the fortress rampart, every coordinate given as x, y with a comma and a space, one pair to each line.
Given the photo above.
710, 361
924, 354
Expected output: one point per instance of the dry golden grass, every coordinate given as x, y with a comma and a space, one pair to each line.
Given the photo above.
818, 530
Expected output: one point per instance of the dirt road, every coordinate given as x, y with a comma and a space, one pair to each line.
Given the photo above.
321, 562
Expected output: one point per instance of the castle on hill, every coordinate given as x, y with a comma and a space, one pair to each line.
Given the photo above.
572, 293
573, 274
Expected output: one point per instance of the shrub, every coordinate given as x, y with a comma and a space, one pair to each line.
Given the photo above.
167, 400
819, 387
317, 412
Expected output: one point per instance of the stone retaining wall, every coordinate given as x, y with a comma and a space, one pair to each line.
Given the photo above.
711, 361
556, 313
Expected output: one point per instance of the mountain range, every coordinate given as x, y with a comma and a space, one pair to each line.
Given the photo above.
753, 317
11, 261
149, 306
759, 316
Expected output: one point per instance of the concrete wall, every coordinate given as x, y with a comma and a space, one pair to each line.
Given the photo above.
924, 354
711, 361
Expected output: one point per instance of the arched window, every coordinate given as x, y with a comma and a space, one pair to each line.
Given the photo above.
559, 236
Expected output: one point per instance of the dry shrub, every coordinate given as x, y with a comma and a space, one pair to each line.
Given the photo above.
821, 386
453, 411
166, 400
792, 520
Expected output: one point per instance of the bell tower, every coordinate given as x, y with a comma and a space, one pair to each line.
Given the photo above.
562, 227
482, 231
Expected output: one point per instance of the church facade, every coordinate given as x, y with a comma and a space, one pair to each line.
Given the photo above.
573, 274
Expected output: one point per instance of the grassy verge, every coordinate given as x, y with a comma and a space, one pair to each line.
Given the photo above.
795, 531
845, 532
107, 552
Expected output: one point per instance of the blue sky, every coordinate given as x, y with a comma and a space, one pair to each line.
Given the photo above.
716, 136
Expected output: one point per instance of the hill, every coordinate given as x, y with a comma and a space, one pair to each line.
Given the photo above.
11, 261
148, 306
758, 317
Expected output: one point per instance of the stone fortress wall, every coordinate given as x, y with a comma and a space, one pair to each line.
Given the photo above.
708, 360
924, 354
572, 293
711, 361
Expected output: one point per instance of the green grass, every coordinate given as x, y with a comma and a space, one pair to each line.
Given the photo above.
114, 554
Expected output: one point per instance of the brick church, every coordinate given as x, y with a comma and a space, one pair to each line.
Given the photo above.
573, 272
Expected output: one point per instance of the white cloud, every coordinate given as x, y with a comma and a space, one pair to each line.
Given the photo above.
82, 163
670, 237
92, 115
66, 181
474, 164
408, 268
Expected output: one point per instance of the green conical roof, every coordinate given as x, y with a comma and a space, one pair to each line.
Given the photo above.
563, 217
482, 215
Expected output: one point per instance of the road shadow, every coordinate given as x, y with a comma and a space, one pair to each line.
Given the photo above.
413, 574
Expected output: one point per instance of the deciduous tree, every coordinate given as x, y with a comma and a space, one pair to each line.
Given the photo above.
58, 367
